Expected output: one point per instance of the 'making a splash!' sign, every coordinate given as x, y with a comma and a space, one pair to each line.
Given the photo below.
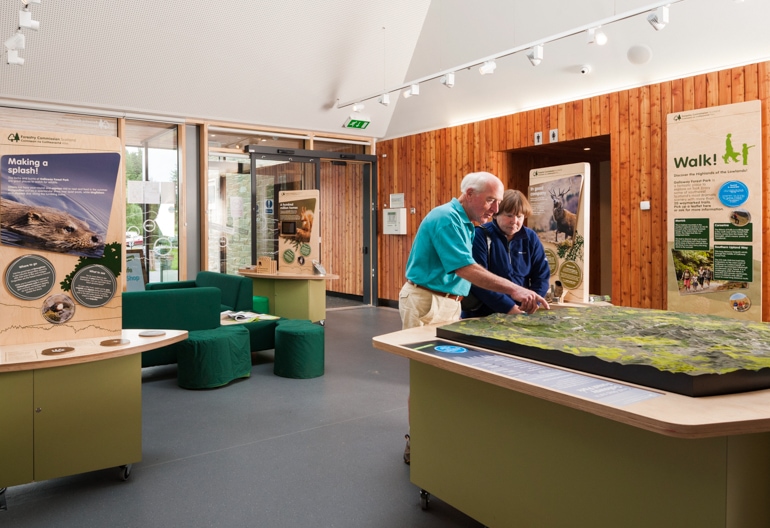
57, 202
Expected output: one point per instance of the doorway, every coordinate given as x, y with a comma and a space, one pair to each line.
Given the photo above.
347, 187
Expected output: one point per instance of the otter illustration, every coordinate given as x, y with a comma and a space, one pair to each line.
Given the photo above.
49, 229
306, 228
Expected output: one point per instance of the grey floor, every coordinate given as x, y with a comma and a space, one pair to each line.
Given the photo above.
261, 452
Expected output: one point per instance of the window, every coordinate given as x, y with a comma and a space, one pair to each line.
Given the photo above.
152, 197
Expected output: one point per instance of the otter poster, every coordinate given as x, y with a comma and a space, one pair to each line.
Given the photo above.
57, 202
62, 230
714, 160
299, 242
560, 201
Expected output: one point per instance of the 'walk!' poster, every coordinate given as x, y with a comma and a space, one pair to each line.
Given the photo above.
715, 211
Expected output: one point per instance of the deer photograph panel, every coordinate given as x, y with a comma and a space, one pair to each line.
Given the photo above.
559, 197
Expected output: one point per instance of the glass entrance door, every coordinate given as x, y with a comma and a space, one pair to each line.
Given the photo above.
347, 188
243, 206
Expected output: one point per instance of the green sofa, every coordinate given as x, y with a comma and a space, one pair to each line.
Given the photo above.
237, 295
213, 354
236, 290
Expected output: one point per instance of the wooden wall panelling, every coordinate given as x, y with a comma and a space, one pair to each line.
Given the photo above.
645, 218
677, 95
701, 87
631, 199
657, 197
725, 87
341, 232
634, 119
751, 83
763, 92
517, 130
528, 132
538, 126
616, 191
737, 85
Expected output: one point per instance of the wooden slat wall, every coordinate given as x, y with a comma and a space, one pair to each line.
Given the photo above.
428, 167
341, 230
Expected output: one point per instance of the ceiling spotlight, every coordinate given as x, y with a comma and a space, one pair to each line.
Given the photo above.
358, 107
13, 58
448, 80
535, 54
27, 2
488, 67
16, 42
658, 18
597, 36
25, 20
385, 99
413, 90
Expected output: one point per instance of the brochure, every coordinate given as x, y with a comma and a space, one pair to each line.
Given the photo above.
247, 317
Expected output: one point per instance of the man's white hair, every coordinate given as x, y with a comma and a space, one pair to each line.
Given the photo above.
478, 181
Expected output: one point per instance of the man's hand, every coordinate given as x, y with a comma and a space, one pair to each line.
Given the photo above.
530, 301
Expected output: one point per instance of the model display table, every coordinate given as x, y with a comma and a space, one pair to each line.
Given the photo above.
292, 295
515, 442
72, 407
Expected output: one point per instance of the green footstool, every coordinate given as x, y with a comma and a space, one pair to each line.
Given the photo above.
299, 349
212, 358
260, 304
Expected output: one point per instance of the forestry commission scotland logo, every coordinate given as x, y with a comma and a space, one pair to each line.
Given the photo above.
14, 136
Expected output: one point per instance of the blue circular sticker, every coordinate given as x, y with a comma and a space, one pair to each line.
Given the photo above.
733, 193
450, 349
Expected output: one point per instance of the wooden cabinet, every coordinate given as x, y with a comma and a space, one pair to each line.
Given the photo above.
70, 419
292, 296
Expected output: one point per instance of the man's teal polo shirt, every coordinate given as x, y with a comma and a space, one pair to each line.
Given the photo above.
443, 244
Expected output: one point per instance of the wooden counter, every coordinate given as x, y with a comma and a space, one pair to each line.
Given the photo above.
31, 356
74, 411
292, 295
514, 453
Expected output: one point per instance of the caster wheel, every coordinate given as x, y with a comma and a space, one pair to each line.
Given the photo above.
125, 472
424, 499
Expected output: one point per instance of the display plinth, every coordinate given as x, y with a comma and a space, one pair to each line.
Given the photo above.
504, 450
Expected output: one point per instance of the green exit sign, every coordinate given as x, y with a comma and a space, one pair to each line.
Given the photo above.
356, 123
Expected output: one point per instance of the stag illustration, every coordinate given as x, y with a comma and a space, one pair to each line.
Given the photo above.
565, 220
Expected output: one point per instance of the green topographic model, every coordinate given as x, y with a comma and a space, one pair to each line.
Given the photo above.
669, 341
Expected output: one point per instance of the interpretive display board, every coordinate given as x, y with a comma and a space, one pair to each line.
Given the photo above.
61, 234
676, 352
714, 201
581, 385
299, 239
560, 199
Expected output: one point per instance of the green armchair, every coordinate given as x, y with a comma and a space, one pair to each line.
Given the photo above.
236, 290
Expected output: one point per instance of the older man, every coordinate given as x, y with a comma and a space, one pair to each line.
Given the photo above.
441, 268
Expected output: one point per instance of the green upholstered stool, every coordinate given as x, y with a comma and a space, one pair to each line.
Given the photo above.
299, 349
260, 304
212, 358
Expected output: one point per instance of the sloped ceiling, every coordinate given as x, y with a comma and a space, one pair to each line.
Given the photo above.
289, 64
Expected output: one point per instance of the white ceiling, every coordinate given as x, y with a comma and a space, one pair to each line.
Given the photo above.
289, 64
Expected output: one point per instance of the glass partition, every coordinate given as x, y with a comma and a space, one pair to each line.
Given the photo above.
152, 197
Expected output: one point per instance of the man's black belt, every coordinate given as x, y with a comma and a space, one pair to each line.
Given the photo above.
458, 298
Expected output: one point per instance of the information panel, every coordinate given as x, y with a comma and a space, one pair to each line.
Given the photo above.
714, 198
